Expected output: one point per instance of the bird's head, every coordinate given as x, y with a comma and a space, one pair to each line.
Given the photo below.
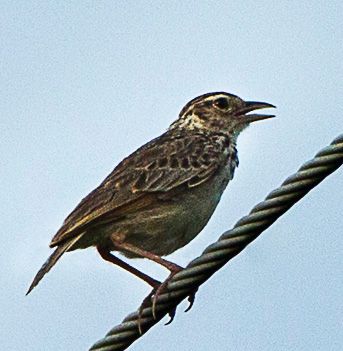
219, 112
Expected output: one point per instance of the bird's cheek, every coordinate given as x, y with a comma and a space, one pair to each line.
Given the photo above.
217, 124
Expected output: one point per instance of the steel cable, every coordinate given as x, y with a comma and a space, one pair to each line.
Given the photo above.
231, 243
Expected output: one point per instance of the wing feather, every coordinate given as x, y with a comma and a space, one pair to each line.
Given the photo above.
159, 166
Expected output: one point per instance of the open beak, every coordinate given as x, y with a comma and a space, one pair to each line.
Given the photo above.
252, 106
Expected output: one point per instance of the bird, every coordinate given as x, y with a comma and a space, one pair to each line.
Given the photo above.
160, 197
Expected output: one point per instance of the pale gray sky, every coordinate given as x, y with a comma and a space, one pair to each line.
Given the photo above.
83, 84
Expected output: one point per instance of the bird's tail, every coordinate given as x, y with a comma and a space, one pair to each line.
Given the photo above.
50, 262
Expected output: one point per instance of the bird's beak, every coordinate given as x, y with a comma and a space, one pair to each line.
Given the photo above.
252, 106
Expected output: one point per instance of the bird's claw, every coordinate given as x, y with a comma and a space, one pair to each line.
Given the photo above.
191, 299
171, 314
157, 293
145, 303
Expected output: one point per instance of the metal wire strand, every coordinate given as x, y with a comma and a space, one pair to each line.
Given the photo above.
230, 244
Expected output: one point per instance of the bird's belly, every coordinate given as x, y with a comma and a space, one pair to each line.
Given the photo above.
174, 223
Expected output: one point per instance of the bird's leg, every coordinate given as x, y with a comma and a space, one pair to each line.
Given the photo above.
155, 284
172, 267
107, 256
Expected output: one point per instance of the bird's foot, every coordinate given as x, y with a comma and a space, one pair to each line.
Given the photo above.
155, 293
152, 297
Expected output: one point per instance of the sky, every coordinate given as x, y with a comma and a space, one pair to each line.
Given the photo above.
83, 84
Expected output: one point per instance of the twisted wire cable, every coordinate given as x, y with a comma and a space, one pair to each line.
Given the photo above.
230, 244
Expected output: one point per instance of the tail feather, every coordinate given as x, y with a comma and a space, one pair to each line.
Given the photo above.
51, 261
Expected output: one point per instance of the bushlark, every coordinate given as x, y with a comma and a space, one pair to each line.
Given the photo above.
161, 196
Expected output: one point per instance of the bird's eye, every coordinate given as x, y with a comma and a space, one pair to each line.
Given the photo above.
221, 103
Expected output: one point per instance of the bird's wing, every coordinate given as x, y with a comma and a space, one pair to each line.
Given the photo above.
159, 166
